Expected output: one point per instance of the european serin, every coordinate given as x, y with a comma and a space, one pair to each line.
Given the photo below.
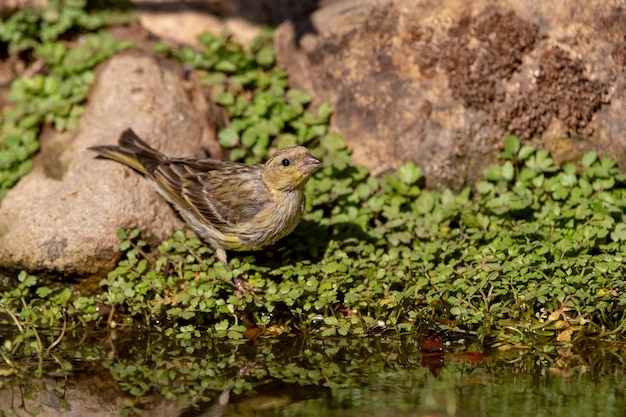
232, 206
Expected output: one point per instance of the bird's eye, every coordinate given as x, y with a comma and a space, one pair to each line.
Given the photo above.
285, 162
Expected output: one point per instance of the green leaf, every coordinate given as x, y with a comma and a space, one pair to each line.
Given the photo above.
265, 57
248, 138
228, 137
525, 152
508, 171
331, 321
589, 159
484, 187
511, 146
329, 332
237, 154
619, 233
26, 279
43, 292
226, 66
225, 98
297, 96
409, 173
324, 111
235, 335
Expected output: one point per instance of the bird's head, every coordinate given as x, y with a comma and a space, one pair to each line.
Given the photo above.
289, 168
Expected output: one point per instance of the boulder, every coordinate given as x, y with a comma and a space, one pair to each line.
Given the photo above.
442, 82
63, 216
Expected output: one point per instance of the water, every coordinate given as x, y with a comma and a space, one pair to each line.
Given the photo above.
114, 374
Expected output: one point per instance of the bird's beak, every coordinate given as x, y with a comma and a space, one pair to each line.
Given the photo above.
309, 165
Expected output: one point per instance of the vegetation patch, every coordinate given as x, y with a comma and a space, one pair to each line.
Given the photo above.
535, 253
58, 78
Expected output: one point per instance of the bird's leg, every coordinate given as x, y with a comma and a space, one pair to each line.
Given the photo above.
223, 257
242, 287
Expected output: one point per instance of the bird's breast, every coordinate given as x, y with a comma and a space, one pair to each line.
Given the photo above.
281, 216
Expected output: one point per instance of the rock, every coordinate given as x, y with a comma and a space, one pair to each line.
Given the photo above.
92, 392
8, 7
63, 216
182, 22
441, 82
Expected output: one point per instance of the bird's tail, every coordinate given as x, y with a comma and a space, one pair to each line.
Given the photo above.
132, 151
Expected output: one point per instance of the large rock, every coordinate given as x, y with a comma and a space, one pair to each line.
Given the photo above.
441, 82
64, 215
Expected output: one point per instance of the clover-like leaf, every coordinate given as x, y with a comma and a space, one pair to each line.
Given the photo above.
409, 173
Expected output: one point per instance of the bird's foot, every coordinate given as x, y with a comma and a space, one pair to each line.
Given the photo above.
243, 290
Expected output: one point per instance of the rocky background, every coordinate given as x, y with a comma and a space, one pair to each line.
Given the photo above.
438, 82
442, 82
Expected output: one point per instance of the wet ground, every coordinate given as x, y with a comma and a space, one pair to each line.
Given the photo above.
112, 374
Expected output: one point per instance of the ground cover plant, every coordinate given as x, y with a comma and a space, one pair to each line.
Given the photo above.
56, 82
536, 251
531, 256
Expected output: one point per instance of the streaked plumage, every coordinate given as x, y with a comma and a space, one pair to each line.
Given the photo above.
232, 206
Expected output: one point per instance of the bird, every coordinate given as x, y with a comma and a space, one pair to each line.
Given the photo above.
230, 205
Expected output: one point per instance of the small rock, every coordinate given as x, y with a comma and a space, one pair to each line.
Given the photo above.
8, 7
182, 22
63, 216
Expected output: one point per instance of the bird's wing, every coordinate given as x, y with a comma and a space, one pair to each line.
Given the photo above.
220, 193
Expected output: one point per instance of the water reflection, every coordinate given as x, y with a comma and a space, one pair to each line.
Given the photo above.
150, 375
